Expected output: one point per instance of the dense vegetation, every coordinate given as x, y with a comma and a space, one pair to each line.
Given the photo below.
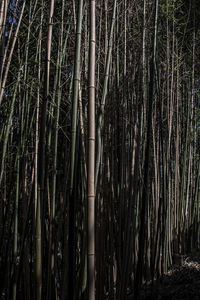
133, 81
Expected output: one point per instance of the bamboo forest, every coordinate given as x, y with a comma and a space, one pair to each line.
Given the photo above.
99, 149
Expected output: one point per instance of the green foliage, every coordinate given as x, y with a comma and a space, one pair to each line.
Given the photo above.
172, 9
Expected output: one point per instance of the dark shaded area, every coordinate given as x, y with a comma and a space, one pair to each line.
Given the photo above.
182, 281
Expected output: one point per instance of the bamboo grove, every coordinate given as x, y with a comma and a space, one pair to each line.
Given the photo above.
99, 145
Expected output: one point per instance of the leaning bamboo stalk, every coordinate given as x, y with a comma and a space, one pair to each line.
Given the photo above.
8, 127
11, 53
76, 80
104, 94
4, 49
3, 17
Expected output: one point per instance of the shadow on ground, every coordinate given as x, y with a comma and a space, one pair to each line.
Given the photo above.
180, 282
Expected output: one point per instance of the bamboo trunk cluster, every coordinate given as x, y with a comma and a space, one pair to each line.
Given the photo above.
99, 145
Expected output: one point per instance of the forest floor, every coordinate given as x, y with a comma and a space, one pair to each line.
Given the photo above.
182, 281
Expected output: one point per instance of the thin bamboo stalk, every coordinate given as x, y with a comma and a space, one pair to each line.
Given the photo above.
104, 94
91, 154
3, 85
37, 204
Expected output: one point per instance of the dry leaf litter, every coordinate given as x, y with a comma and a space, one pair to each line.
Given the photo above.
182, 281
